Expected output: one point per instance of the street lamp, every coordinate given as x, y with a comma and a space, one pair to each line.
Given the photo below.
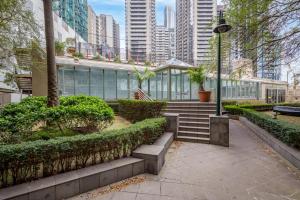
221, 28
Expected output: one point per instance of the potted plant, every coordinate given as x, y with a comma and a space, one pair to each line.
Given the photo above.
60, 48
197, 75
142, 76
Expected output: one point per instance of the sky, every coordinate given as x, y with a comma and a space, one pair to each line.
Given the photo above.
116, 8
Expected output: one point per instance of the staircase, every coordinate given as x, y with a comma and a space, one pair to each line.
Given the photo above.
193, 120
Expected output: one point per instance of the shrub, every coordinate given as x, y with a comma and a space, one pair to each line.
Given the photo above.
137, 110
286, 132
81, 113
32, 160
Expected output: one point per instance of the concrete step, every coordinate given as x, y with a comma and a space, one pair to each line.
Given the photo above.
201, 107
193, 129
197, 124
194, 115
191, 103
193, 139
189, 111
193, 134
193, 119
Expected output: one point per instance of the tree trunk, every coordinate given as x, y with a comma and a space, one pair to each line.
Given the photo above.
51, 67
201, 88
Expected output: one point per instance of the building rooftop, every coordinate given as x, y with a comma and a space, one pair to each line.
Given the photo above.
66, 61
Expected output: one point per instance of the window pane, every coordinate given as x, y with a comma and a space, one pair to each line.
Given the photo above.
122, 84
133, 85
81, 81
97, 82
68, 82
110, 84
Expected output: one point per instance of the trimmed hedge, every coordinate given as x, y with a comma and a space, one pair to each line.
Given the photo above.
137, 110
79, 113
286, 132
31, 160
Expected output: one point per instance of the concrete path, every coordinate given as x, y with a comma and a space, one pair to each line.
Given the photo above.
248, 169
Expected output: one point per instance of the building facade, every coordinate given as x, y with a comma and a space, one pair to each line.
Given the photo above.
170, 17
194, 29
184, 31
75, 14
140, 30
92, 27
108, 34
162, 45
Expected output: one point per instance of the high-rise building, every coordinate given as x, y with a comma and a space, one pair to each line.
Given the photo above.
108, 34
75, 14
140, 30
162, 44
172, 43
194, 29
184, 31
92, 29
117, 38
204, 13
170, 17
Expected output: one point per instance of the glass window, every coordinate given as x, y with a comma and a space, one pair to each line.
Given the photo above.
133, 85
82, 85
165, 85
110, 84
97, 82
122, 83
68, 87
159, 86
153, 88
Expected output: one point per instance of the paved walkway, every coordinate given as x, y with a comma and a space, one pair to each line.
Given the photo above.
247, 170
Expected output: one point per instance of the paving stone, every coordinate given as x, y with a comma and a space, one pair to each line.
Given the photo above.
124, 196
150, 187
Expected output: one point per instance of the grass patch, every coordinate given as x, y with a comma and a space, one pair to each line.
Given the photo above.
119, 123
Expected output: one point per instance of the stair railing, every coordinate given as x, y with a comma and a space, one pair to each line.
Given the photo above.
143, 96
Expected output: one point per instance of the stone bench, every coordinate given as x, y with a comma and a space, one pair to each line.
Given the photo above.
154, 155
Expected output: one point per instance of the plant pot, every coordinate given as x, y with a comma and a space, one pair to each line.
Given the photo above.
71, 50
204, 96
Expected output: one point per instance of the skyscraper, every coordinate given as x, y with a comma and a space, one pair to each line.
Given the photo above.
194, 29
162, 44
92, 30
108, 34
170, 17
184, 31
75, 14
140, 30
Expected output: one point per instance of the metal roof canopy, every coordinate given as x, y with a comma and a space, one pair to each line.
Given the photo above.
65, 61
174, 64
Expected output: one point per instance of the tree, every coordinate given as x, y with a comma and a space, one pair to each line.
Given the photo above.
17, 28
147, 74
51, 66
264, 30
197, 75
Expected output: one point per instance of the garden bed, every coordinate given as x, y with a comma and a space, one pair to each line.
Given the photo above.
286, 132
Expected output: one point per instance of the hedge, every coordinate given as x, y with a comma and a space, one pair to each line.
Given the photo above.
256, 105
31, 160
286, 132
137, 110
80, 113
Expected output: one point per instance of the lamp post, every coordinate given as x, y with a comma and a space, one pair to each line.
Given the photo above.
221, 28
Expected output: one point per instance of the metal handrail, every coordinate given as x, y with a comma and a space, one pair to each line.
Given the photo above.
143, 96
